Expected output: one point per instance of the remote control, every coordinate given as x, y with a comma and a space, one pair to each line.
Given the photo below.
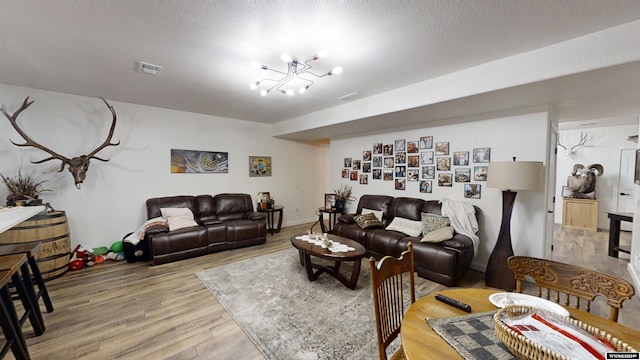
453, 302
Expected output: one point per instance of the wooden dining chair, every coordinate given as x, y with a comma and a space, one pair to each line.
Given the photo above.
388, 297
578, 286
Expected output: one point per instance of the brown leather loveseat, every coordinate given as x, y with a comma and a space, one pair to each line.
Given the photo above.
445, 262
224, 221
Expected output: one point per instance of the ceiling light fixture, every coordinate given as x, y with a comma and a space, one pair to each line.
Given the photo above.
296, 73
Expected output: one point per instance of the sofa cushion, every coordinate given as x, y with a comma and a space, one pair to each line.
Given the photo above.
431, 222
178, 218
377, 213
405, 226
367, 221
439, 235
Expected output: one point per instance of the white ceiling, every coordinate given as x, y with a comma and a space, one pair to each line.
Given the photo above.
205, 47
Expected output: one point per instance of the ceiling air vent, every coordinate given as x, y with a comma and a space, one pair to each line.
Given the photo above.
148, 68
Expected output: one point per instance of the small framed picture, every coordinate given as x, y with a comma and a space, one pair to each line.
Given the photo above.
460, 158
482, 155
387, 174
412, 147
400, 184
353, 175
428, 172
426, 158
356, 164
463, 175
442, 148
376, 161
413, 174
377, 174
426, 142
401, 145
401, 157
444, 179
413, 161
347, 162
329, 201
425, 186
366, 167
388, 150
345, 173
443, 163
364, 179
472, 191
366, 155
377, 148
389, 162
480, 173
401, 171
259, 166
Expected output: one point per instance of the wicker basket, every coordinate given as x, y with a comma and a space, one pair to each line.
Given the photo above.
525, 349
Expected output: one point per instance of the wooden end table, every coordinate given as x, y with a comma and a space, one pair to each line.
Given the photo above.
333, 217
306, 250
270, 220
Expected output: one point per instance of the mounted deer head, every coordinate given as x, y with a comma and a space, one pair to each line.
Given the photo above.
78, 165
571, 150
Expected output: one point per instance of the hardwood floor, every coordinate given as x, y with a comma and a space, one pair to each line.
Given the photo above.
139, 311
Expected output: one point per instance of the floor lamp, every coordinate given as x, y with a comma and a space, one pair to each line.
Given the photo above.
508, 176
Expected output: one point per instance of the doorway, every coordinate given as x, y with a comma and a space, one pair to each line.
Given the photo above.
625, 194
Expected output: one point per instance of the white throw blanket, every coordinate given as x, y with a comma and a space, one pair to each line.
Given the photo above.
463, 219
135, 237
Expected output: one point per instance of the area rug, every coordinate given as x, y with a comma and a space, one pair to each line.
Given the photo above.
289, 317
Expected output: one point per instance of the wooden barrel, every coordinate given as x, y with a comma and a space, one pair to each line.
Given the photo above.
52, 230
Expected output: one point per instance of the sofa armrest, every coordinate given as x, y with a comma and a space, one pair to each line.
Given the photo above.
154, 230
458, 242
255, 216
209, 222
346, 219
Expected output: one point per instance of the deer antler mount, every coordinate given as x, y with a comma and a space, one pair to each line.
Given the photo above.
78, 165
572, 149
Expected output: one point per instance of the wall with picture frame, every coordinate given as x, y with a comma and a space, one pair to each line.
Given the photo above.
528, 139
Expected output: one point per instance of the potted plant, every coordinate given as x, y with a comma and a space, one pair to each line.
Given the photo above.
24, 189
343, 195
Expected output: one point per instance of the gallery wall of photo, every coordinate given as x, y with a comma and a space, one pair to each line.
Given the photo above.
424, 161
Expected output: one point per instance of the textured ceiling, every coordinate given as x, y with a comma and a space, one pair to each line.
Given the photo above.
205, 47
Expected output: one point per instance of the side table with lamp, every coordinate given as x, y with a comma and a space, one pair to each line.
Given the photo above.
510, 177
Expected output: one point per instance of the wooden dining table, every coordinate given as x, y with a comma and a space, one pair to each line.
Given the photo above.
419, 341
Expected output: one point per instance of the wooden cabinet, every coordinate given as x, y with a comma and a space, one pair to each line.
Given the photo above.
580, 213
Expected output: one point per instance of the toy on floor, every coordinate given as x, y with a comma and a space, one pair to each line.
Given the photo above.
81, 256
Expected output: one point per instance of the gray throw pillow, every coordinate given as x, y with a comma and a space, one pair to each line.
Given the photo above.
431, 222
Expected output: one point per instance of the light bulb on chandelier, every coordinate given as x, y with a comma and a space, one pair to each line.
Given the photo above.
297, 72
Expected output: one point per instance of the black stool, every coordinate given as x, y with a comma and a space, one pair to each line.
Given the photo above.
9, 322
21, 279
30, 249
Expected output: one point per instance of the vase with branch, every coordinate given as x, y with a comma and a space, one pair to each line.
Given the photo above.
343, 196
24, 189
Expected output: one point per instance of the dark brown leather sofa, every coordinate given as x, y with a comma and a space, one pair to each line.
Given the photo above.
225, 221
444, 262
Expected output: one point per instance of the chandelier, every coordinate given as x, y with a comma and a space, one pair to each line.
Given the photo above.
298, 74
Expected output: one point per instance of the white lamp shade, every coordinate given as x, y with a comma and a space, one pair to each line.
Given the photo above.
515, 175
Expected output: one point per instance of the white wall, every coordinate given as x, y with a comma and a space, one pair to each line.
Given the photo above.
111, 200
603, 147
523, 136
634, 264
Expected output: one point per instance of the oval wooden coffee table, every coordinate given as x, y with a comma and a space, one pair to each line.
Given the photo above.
306, 250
